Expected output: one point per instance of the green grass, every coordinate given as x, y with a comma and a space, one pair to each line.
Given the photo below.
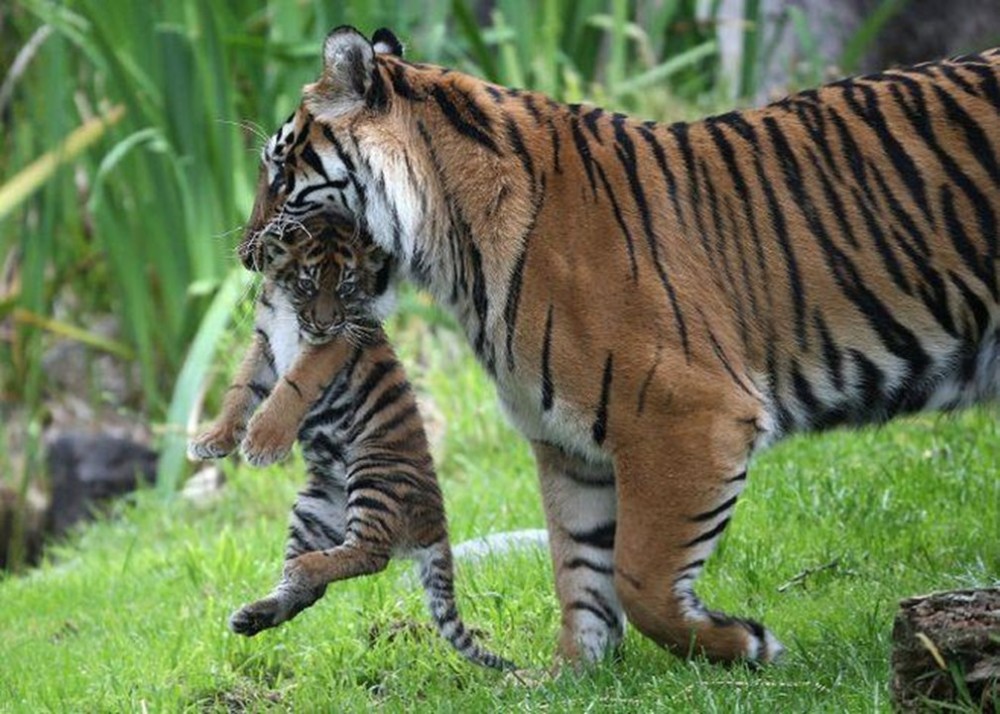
130, 616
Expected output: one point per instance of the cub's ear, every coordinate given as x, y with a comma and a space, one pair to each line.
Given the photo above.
348, 64
273, 252
386, 43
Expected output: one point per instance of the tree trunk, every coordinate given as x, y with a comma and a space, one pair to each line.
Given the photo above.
947, 649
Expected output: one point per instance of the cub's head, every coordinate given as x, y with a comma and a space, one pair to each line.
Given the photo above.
312, 163
333, 278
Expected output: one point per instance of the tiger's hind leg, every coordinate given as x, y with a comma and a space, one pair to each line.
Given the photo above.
317, 523
678, 481
579, 500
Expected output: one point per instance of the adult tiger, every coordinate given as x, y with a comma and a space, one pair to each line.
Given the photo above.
655, 303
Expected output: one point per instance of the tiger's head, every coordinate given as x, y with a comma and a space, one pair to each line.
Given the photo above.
335, 280
392, 145
304, 168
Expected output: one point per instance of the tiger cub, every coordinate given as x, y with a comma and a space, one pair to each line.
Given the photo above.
324, 369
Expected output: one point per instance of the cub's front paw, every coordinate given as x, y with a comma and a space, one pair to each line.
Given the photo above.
266, 442
214, 443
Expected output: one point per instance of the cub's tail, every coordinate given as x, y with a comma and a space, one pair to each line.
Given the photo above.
437, 577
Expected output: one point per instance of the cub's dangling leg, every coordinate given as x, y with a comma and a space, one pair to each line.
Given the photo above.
579, 500
678, 476
317, 523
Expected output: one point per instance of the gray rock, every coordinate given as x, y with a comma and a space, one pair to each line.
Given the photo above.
86, 470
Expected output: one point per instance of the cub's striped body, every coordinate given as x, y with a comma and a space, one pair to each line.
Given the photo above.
330, 376
655, 303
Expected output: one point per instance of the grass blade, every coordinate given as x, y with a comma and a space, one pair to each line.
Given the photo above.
192, 376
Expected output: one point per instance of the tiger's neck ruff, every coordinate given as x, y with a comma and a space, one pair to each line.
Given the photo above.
656, 302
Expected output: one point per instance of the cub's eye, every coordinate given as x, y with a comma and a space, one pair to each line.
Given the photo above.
305, 286
348, 289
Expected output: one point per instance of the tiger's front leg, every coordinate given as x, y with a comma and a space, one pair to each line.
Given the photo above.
579, 500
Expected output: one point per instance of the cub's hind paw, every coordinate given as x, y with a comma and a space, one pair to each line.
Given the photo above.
286, 602
257, 616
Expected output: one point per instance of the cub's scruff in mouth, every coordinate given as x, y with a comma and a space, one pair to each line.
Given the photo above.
325, 373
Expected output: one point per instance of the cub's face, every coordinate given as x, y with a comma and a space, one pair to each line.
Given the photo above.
330, 276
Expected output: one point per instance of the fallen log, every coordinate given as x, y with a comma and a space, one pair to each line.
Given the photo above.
946, 649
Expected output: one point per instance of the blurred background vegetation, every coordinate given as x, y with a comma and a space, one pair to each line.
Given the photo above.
130, 136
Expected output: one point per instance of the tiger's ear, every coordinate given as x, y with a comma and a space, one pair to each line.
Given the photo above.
348, 64
386, 43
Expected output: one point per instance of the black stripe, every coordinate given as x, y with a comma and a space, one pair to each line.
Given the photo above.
260, 391
647, 380
776, 211
315, 526
513, 303
668, 176
370, 504
721, 508
680, 133
871, 113
600, 427
602, 536
870, 385
459, 123
401, 85
984, 270
590, 121
988, 83
528, 100
626, 153
293, 385
517, 145
616, 209
721, 356
479, 299
579, 562
980, 313
709, 534
595, 610
390, 396
979, 145
897, 337
804, 393
583, 150
310, 156
547, 386
832, 357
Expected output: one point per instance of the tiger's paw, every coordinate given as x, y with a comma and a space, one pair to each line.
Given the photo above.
266, 442
214, 443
